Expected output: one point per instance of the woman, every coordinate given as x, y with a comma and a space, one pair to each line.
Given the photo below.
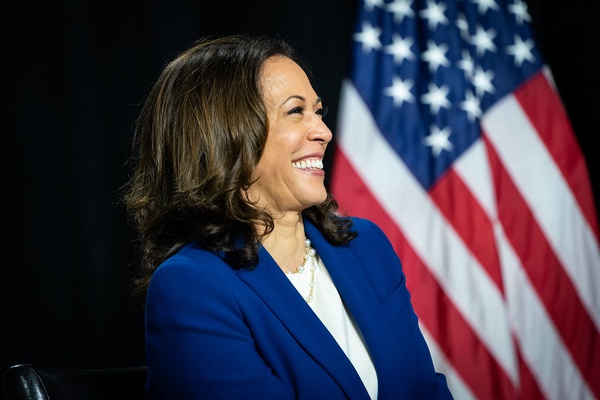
254, 287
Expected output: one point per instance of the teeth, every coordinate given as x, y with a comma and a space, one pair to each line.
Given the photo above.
318, 164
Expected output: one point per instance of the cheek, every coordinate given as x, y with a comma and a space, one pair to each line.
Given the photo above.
278, 148
268, 168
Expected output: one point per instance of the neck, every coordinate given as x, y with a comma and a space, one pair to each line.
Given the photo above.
286, 243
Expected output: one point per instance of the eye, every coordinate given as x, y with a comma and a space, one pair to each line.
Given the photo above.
322, 111
296, 110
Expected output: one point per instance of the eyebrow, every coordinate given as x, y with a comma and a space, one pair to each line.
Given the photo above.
301, 98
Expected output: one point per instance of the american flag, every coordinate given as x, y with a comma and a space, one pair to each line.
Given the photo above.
452, 137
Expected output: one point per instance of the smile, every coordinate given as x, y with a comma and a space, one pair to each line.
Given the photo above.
309, 164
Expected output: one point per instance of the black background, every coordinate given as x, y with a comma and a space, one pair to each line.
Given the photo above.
73, 75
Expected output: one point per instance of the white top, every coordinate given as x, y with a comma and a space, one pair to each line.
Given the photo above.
330, 309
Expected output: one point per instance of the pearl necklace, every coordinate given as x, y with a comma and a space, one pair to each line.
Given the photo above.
310, 255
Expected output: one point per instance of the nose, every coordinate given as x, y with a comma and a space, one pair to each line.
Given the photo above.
320, 132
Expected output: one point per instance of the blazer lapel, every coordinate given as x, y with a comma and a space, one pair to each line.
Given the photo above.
358, 296
278, 293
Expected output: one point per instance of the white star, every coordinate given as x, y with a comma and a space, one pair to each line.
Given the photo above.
521, 50
369, 37
370, 4
434, 14
484, 5
466, 64
400, 9
438, 140
462, 25
471, 106
482, 40
436, 97
399, 91
400, 49
520, 11
482, 80
435, 55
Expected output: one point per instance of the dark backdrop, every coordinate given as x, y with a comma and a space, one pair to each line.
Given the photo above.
73, 75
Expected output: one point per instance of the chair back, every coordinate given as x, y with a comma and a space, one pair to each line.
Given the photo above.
28, 382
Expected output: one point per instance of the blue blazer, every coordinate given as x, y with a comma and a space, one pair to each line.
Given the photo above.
216, 333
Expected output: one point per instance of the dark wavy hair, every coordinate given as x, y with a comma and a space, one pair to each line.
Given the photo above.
199, 136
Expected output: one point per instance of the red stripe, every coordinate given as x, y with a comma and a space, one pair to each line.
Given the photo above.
546, 274
467, 354
470, 221
529, 389
545, 111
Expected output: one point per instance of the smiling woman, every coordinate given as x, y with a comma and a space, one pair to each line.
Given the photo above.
254, 285
287, 179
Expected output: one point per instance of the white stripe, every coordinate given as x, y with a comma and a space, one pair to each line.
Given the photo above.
473, 168
434, 240
543, 187
539, 343
457, 386
540, 346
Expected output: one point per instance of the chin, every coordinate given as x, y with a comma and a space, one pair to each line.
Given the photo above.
314, 198
321, 199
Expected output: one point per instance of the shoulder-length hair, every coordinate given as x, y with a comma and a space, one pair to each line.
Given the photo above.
198, 139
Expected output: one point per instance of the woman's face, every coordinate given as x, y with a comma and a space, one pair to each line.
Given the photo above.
289, 176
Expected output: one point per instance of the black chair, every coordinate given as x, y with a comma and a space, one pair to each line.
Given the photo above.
28, 382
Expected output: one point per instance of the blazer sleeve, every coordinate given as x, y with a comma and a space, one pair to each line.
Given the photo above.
197, 344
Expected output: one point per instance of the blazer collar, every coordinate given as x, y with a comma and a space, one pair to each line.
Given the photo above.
278, 293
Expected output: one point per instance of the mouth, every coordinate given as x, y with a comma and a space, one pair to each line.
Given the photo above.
310, 163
